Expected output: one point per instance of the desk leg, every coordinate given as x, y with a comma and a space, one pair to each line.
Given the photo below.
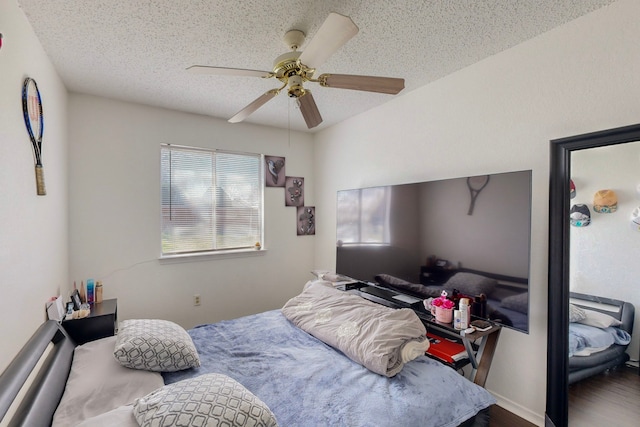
485, 356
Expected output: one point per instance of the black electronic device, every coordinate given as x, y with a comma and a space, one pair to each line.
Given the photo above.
75, 299
421, 233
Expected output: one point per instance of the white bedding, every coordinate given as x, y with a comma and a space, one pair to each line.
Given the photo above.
97, 383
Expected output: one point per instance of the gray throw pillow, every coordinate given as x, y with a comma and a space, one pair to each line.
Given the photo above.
155, 345
470, 283
207, 400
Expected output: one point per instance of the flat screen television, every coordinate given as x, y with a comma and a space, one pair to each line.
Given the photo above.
423, 237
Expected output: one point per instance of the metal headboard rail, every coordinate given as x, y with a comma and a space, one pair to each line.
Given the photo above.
42, 396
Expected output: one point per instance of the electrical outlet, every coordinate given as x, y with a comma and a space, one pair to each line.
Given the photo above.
196, 299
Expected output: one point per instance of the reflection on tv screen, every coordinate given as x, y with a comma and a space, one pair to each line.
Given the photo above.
425, 235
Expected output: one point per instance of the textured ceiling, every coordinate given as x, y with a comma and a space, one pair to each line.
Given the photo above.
138, 50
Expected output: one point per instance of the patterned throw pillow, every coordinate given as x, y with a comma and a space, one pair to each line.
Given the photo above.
576, 313
155, 345
206, 400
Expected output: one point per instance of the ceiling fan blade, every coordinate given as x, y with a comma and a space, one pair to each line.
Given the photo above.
249, 109
309, 110
334, 32
223, 71
388, 85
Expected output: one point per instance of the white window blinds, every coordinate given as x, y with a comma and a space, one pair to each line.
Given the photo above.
211, 200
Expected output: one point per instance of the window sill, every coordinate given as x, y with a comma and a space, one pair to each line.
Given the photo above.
201, 256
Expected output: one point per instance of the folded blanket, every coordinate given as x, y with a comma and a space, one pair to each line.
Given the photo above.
380, 338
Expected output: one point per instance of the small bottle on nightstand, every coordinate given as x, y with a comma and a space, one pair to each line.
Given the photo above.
98, 292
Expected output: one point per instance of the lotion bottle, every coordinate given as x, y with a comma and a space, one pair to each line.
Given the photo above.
98, 292
464, 313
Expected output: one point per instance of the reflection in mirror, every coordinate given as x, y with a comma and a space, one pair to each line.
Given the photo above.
420, 238
602, 278
586, 258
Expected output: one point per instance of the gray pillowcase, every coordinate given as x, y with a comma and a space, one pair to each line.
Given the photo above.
470, 284
400, 285
155, 345
209, 399
97, 383
518, 302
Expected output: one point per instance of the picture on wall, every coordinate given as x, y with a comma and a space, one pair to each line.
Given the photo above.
274, 175
306, 220
294, 194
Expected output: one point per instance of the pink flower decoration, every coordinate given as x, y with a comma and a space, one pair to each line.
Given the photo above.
443, 302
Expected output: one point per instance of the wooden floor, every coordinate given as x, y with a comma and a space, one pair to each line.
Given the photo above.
611, 399
503, 418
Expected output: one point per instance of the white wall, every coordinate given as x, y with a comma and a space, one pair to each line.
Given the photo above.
495, 116
115, 215
604, 254
33, 229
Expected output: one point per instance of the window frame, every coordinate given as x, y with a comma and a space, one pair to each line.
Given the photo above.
242, 250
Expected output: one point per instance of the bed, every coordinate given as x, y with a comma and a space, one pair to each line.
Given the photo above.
599, 333
299, 379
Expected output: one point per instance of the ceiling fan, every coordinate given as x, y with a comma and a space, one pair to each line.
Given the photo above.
295, 68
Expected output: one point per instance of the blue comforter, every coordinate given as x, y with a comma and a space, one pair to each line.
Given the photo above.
308, 383
585, 339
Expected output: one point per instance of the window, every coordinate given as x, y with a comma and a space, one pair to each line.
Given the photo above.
211, 200
363, 216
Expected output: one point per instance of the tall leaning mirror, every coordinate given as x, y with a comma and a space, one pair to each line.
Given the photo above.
560, 251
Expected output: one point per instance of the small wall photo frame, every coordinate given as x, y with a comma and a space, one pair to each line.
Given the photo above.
294, 194
274, 172
306, 220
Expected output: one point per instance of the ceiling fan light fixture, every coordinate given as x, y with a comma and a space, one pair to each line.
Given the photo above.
286, 64
295, 87
294, 68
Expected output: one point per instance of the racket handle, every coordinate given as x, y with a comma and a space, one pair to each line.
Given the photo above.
42, 191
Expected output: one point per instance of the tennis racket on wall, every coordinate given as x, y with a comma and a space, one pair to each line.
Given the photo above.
32, 110
476, 184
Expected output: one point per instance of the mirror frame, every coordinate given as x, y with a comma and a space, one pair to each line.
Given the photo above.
557, 405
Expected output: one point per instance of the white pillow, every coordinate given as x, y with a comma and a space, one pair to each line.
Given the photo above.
122, 416
97, 383
155, 345
599, 320
209, 399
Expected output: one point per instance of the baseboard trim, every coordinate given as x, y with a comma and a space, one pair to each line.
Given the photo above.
519, 410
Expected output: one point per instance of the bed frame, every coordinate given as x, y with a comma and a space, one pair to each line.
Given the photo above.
586, 366
33, 383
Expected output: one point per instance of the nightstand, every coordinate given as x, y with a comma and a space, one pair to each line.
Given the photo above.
101, 323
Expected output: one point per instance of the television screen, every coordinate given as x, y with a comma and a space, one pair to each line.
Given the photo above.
471, 234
